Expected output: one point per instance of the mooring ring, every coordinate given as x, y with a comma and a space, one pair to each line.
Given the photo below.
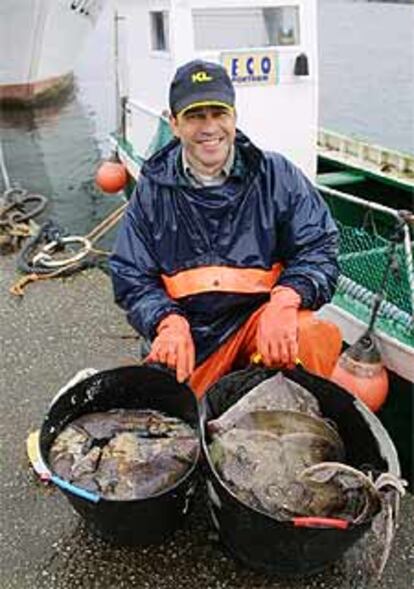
45, 259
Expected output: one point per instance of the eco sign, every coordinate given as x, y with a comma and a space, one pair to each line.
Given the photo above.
258, 68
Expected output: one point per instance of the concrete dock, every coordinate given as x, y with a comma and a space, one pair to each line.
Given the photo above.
58, 328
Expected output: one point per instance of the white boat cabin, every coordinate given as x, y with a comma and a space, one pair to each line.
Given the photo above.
268, 48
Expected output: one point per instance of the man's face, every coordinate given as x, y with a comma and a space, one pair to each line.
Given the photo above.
206, 134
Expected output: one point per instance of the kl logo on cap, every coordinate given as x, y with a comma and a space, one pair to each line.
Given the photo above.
201, 76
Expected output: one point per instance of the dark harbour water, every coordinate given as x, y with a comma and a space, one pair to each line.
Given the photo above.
366, 89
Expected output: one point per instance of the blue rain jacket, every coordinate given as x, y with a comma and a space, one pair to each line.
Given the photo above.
266, 212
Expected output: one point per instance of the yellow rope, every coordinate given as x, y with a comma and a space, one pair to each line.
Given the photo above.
100, 252
18, 287
106, 224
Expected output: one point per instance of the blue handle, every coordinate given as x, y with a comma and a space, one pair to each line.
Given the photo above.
75, 490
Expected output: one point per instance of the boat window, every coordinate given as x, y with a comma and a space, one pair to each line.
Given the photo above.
232, 28
159, 31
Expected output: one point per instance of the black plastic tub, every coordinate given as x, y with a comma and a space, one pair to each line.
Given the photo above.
132, 522
302, 546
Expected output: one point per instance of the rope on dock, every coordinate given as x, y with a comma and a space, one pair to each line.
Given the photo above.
18, 287
43, 268
17, 207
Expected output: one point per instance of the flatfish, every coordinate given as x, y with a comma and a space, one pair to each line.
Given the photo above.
124, 453
134, 468
281, 422
70, 447
265, 451
275, 393
144, 422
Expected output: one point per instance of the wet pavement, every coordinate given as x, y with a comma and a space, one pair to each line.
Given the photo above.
57, 329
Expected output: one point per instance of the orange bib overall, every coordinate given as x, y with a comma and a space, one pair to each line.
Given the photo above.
320, 344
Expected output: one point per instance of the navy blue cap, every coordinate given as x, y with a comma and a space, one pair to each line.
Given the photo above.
200, 83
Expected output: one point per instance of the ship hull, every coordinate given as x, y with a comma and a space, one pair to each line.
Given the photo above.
36, 93
40, 41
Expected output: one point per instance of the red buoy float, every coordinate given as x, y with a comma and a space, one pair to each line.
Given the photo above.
111, 176
360, 371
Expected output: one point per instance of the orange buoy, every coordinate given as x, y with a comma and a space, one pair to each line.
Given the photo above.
360, 371
111, 176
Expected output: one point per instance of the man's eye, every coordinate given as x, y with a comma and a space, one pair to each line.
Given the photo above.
221, 113
194, 116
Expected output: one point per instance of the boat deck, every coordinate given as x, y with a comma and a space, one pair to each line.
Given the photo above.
361, 160
57, 329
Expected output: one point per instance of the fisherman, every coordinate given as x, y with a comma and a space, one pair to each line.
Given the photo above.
225, 250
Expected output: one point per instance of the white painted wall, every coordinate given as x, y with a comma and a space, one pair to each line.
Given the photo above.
147, 72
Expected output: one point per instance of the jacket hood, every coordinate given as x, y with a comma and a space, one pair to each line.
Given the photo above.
162, 167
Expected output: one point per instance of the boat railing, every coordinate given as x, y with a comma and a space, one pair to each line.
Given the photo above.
148, 129
382, 158
139, 106
367, 233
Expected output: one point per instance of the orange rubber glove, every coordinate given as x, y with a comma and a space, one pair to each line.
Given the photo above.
277, 329
174, 346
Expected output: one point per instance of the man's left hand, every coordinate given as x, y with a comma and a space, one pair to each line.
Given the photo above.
277, 330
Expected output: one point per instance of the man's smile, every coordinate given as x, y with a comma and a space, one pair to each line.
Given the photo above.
212, 142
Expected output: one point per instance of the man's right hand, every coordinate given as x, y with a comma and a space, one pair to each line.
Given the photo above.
174, 346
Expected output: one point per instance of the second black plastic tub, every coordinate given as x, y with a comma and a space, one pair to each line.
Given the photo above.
131, 522
293, 547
